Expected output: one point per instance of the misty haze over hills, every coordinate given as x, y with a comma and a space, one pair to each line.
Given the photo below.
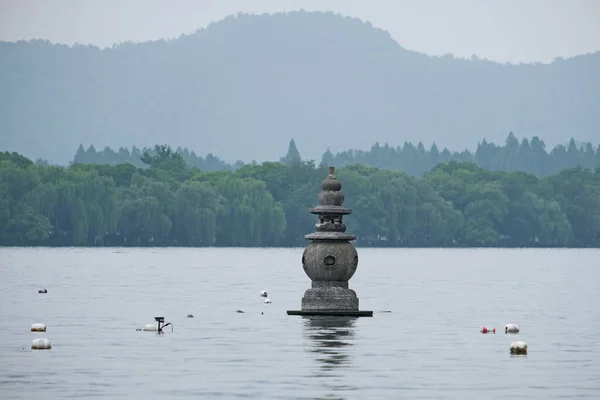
244, 86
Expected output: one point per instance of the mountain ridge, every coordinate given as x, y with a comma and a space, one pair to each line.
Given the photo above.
473, 57
254, 81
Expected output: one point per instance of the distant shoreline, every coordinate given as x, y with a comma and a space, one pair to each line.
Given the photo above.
302, 248
170, 204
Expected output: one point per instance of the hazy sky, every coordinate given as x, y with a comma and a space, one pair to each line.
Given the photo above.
507, 30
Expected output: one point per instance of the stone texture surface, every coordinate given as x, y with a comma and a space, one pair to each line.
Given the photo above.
330, 298
329, 236
330, 260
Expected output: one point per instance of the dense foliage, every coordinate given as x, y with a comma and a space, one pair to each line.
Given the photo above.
209, 163
527, 155
169, 203
125, 156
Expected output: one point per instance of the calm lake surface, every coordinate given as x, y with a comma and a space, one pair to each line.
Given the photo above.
427, 347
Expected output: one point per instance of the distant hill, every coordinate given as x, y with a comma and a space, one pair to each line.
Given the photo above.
242, 87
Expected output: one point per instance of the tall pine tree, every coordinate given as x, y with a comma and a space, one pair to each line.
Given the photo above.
79, 156
293, 155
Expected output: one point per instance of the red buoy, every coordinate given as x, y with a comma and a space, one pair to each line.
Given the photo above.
483, 329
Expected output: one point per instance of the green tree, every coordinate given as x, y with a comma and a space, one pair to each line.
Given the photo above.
170, 203
293, 155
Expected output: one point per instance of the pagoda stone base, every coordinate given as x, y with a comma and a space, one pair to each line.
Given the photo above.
330, 298
331, 313
333, 300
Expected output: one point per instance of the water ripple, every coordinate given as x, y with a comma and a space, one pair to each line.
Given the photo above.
428, 347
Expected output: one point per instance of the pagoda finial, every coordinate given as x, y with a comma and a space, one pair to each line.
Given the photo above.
331, 194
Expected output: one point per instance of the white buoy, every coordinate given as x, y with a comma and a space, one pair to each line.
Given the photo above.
151, 328
41, 344
511, 328
38, 328
518, 348
267, 301
263, 293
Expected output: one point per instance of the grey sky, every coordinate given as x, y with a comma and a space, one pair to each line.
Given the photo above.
508, 30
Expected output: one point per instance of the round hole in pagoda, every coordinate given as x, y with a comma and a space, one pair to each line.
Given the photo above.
329, 261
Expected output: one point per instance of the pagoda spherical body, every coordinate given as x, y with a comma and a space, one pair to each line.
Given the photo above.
326, 261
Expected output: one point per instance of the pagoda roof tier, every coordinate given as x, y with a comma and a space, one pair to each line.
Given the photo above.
330, 210
329, 236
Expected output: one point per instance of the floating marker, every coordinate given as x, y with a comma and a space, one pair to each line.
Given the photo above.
41, 344
38, 328
267, 301
518, 348
151, 328
511, 328
483, 329
263, 293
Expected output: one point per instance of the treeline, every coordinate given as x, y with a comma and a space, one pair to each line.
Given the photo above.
123, 155
528, 156
169, 203
210, 163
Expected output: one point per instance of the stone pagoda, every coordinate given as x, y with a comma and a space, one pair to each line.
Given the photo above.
330, 260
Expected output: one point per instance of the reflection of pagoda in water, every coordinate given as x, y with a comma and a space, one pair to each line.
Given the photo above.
331, 339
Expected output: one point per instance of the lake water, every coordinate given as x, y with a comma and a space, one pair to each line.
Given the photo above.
427, 347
